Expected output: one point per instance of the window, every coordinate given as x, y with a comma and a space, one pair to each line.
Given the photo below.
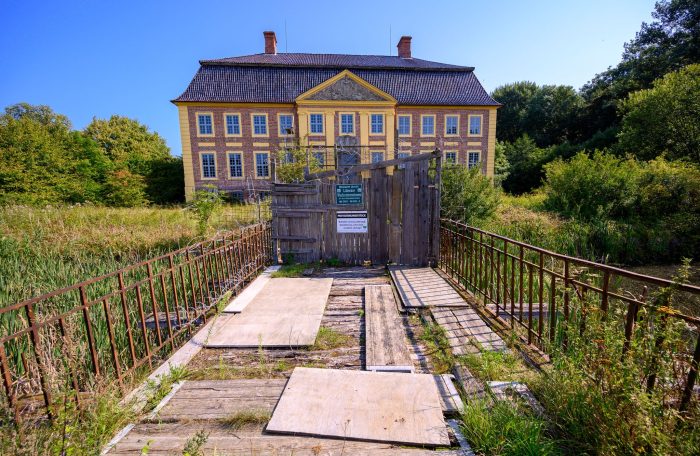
404, 125
377, 122
451, 158
402, 155
205, 124
233, 124
451, 125
288, 157
259, 125
235, 196
320, 158
235, 165
347, 124
377, 157
286, 122
316, 123
473, 159
428, 125
474, 125
208, 166
262, 164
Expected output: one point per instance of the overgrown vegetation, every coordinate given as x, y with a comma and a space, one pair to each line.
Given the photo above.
467, 195
204, 204
116, 162
328, 339
245, 418
43, 249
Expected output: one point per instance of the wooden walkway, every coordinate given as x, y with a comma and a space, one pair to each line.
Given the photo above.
423, 287
385, 342
225, 382
466, 331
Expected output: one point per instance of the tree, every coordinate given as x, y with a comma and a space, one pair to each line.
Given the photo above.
42, 161
665, 118
467, 195
292, 163
516, 99
130, 145
525, 161
667, 44
552, 115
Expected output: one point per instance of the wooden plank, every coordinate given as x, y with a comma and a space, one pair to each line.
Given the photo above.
171, 438
396, 182
385, 342
356, 405
422, 287
450, 400
240, 302
218, 399
287, 312
370, 166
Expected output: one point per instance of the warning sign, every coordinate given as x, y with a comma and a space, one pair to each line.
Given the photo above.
351, 222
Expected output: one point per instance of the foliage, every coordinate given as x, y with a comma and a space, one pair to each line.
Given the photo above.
467, 195
204, 204
587, 188
667, 44
293, 162
245, 418
501, 168
193, 446
503, 429
664, 119
328, 339
525, 165
515, 98
116, 162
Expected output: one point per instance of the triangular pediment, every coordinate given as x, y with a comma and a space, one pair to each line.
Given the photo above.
346, 86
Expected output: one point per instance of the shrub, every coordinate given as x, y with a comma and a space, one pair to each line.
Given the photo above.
204, 204
467, 195
292, 163
124, 189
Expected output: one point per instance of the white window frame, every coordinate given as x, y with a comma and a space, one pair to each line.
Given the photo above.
451, 153
323, 124
255, 158
201, 165
379, 116
352, 117
481, 125
372, 154
449, 116
410, 125
266, 125
228, 165
471, 165
240, 124
279, 123
199, 126
422, 125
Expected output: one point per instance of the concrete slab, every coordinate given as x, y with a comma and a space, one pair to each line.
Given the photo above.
287, 312
242, 300
356, 405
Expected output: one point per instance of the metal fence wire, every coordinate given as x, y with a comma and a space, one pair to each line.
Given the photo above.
118, 326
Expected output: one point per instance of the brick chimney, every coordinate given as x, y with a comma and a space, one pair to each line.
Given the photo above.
404, 47
271, 43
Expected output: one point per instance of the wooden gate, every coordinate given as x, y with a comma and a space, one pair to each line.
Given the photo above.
401, 201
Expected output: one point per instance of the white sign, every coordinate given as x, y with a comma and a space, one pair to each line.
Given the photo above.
351, 222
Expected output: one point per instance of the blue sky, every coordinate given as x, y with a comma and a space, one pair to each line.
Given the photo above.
98, 58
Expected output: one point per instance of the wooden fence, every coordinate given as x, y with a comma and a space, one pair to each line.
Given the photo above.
399, 199
115, 327
549, 297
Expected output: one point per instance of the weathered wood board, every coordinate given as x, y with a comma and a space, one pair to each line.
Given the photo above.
218, 399
171, 438
385, 345
423, 287
287, 312
449, 396
375, 406
466, 331
251, 291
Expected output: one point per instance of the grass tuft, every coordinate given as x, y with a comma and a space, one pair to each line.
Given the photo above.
328, 339
245, 418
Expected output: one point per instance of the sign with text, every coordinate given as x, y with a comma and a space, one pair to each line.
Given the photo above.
348, 194
351, 222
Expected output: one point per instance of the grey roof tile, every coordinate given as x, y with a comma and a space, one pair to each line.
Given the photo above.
253, 79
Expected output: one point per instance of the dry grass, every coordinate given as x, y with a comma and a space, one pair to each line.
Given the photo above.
245, 418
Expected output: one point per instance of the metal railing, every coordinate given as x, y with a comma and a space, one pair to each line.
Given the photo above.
544, 295
109, 328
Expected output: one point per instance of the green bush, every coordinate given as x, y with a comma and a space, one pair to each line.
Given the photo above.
467, 195
204, 204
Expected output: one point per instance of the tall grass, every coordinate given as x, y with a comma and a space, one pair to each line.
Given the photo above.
43, 249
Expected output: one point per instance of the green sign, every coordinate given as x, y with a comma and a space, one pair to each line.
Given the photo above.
348, 194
